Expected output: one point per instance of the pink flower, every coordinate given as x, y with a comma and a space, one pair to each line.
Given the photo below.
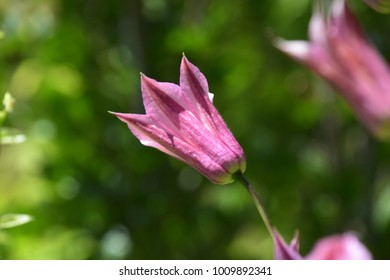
339, 52
182, 122
335, 247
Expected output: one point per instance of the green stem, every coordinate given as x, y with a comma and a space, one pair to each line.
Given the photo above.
256, 198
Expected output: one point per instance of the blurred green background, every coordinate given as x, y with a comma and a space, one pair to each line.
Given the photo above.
96, 193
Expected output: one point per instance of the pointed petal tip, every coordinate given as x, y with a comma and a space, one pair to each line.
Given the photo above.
187, 66
121, 116
184, 60
145, 80
186, 63
115, 113
143, 76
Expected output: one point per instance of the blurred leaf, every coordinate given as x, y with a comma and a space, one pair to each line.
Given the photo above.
14, 220
8, 102
11, 136
3, 114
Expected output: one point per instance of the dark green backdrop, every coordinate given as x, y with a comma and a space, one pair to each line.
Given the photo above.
96, 193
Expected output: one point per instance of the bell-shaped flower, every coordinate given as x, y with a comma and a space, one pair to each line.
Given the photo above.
182, 122
344, 246
339, 52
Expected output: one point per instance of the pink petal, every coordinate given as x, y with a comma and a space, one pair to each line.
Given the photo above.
149, 134
172, 117
340, 52
193, 131
161, 101
177, 124
298, 50
317, 28
313, 55
284, 251
339, 247
195, 88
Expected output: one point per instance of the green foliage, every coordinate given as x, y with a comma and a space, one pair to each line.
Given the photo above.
96, 193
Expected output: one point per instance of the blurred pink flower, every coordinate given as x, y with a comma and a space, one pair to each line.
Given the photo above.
335, 247
382, 6
182, 122
339, 52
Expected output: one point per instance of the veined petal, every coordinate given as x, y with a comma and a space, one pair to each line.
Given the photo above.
149, 134
199, 100
171, 116
176, 123
132, 120
194, 132
194, 86
170, 89
161, 102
